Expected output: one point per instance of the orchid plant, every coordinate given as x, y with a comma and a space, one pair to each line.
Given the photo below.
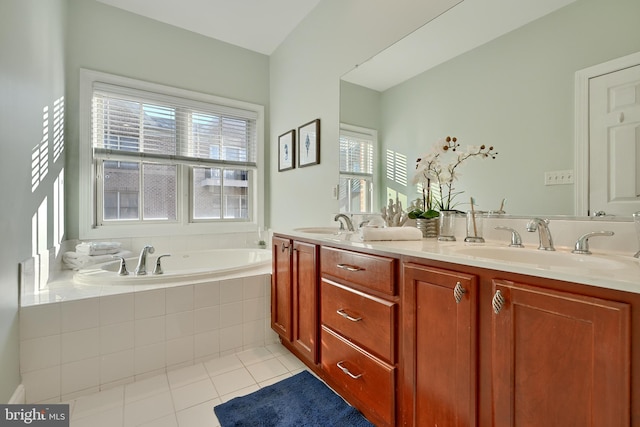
437, 177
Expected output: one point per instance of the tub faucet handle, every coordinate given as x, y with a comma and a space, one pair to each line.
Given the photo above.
122, 271
158, 267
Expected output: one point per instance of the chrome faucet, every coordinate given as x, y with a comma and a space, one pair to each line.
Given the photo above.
582, 245
141, 269
542, 226
347, 221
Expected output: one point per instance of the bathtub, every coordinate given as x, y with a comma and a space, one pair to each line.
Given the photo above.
189, 267
207, 304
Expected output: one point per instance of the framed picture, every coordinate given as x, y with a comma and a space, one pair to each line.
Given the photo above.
287, 150
309, 144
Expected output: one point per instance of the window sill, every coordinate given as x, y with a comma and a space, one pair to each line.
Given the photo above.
146, 230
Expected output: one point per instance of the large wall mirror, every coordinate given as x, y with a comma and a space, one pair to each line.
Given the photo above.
493, 72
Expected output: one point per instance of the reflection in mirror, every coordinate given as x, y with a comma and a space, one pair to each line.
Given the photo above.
513, 91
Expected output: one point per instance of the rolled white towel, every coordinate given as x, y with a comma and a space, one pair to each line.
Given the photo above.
98, 248
390, 233
76, 261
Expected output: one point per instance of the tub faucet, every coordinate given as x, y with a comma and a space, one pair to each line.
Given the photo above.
542, 226
141, 269
347, 221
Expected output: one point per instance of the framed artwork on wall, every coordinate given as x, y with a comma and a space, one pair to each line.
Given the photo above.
309, 144
287, 150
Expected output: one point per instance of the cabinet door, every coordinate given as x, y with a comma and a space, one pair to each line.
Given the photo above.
439, 347
281, 287
305, 300
559, 359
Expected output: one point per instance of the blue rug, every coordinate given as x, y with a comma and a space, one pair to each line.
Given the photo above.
301, 400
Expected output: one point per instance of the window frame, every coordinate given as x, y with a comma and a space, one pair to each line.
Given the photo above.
373, 135
87, 209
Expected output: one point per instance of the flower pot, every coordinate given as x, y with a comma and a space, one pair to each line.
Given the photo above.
428, 226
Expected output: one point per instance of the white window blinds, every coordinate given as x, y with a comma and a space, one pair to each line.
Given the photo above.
356, 153
130, 123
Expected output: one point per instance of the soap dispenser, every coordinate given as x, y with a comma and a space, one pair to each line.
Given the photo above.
636, 220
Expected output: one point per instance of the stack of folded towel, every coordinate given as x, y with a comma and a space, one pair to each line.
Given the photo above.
89, 253
98, 248
390, 233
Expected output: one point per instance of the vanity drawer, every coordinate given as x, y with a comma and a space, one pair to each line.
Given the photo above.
374, 272
364, 319
365, 379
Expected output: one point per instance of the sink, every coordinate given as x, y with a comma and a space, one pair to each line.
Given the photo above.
547, 259
319, 230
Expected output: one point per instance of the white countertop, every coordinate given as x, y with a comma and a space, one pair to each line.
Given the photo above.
625, 276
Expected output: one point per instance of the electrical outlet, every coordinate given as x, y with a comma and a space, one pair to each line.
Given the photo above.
558, 177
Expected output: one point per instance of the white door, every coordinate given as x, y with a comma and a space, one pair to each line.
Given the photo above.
614, 142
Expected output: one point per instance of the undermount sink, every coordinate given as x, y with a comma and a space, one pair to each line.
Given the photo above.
547, 259
319, 230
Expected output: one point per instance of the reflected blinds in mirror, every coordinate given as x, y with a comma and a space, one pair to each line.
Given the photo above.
356, 170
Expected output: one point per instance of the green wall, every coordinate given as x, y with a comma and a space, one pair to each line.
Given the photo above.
31, 79
111, 40
305, 74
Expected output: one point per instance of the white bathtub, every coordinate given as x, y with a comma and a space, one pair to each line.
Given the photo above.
188, 267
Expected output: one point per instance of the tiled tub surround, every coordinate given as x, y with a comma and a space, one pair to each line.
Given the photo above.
81, 341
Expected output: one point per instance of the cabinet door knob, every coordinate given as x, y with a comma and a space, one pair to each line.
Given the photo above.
497, 302
349, 267
458, 292
342, 313
284, 246
346, 371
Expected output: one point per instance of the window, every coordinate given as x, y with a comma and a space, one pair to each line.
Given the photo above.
165, 157
357, 148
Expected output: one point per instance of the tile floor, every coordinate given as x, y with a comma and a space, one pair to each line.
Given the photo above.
185, 397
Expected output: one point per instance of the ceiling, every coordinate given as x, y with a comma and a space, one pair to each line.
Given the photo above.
257, 25
262, 25
467, 25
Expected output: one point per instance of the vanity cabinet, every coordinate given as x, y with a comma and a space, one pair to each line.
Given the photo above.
484, 348
294, 295
358, 316
558, 358
439, 347
281, 298
411, 341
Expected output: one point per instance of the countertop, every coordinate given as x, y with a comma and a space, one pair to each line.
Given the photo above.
625, 278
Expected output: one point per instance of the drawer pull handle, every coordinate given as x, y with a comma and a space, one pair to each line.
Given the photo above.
346, 371
458, 292
342, 313
349, 267
497, 302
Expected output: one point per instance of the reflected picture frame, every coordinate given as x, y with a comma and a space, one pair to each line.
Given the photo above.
309, 144
287, 151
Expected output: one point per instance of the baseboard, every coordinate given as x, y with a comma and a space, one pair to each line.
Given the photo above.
19, 397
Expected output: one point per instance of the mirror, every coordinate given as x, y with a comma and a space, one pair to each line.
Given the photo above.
499, 73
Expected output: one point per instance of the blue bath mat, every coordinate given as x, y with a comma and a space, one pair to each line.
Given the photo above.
301, 400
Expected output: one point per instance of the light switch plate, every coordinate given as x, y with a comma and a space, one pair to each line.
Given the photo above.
558, 177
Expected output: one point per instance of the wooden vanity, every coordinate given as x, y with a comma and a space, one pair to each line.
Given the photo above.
413, 341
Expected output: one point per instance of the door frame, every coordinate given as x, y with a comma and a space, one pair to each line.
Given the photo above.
581, 125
